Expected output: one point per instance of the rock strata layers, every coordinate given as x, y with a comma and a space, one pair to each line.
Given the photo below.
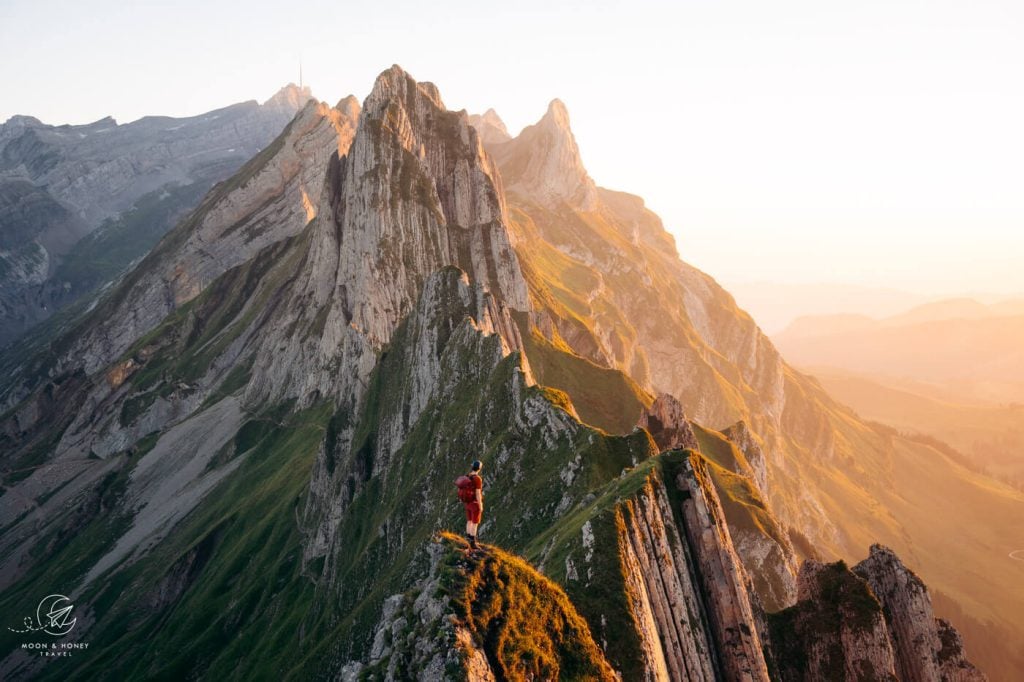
926, 648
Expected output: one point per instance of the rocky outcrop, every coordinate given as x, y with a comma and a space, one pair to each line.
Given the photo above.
926, 649
419, 636
665, 591
668, 425
691, 610
836, 630
472, 617
723, 577
874, 622
740, 434
417, 182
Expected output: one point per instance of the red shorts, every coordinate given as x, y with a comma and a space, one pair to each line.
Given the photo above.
473, 511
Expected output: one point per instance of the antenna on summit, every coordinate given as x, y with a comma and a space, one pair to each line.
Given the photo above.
300, 72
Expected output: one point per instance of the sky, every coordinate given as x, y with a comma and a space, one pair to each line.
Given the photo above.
869, 143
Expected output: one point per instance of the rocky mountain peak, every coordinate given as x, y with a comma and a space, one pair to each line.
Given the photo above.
290, 97
491, 128
349, 106
395, 85
667, 424
544, 163
420, 182
557, 115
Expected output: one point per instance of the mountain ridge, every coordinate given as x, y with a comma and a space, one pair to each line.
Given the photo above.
122, 184
353, 382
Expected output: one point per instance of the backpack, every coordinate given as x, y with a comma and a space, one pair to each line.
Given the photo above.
467, 491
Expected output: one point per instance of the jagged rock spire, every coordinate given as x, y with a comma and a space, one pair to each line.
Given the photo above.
418, 193
491, 128
666, 421
925, 648
544, 163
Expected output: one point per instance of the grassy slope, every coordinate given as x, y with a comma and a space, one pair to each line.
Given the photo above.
245, 593
741, 501
518, 508
603, 397
524, 622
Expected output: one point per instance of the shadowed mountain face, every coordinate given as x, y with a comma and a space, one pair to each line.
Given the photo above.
237, 461
79, 203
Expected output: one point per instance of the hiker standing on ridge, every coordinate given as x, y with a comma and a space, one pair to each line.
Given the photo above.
471, 494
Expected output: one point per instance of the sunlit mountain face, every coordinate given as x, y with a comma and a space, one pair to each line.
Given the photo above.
238, 460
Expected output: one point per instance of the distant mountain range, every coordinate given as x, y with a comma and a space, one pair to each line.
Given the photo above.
949, 369
775, 306
239, 462
79, 203
964, 350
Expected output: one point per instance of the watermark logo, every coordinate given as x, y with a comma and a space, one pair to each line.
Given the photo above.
53, 616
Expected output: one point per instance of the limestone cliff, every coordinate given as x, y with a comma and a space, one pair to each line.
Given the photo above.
490, 126
874, 622
926, 648
761, 543
836, 631
543, 161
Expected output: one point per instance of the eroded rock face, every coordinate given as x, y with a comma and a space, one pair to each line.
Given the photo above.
668, 425
926, 648
418, 193
724, 579
543, 161
414, 193
836, 630
418, 632
666, 591
874, 622
266, 202
740, 434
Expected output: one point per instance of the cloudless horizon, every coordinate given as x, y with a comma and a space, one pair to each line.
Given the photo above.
876, 144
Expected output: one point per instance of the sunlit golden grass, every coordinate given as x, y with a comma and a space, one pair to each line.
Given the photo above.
524, 623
